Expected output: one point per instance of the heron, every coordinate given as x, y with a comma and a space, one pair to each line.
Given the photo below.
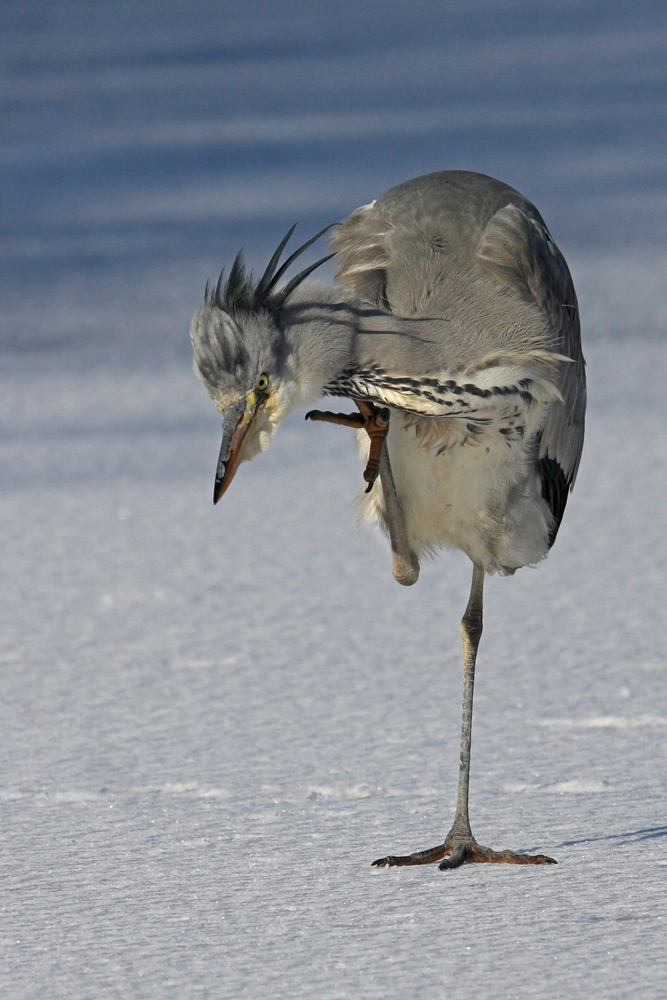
454, 328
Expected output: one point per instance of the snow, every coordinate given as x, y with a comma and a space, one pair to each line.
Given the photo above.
214, 719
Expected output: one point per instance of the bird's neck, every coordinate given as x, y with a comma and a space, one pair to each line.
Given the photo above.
327, 330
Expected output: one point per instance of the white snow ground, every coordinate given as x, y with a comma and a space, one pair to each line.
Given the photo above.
214, 719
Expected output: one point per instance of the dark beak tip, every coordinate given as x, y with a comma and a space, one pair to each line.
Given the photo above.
236, 423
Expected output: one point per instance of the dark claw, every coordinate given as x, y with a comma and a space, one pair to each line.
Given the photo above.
455, 859
391, 861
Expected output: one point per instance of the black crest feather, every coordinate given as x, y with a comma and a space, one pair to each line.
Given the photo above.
241, 295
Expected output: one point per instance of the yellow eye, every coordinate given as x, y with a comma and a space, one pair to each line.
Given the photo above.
263, 383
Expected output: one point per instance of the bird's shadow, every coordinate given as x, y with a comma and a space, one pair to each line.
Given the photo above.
631, 837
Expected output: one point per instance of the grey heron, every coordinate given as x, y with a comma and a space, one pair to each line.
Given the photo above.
454, 328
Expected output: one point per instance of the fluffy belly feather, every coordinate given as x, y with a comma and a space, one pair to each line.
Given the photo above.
471, 487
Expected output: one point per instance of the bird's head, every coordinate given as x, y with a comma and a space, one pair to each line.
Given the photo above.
244, 360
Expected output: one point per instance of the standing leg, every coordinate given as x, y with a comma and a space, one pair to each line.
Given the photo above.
460, 836
459, 845
471, 633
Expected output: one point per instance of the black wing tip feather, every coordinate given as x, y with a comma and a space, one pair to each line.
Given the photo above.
555, 491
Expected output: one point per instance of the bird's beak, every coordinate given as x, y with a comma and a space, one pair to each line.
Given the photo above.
236, 422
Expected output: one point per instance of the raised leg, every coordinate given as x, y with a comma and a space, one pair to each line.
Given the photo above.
405, 562
459, 845
376, 423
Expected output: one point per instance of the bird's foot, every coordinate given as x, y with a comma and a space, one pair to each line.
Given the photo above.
345, 419
467, 852
375, 421
459, 850
418, 858
376, 426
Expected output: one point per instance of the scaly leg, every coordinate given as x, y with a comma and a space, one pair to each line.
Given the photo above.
459, 845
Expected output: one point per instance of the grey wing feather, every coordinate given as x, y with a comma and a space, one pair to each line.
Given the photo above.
517, 249
386, 252
360, 245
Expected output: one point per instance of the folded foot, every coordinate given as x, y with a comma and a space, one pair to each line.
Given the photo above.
374, 420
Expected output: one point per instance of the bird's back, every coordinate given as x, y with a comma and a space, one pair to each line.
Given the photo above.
414, 251
473, 255
408, 248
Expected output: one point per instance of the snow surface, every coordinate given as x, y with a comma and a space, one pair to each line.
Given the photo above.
213, 719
